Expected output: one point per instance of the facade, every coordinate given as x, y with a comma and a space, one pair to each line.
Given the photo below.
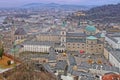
48, 37
106, 53
41, 46
88, 41
36, 46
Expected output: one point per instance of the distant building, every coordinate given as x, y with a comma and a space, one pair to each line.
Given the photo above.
20, 34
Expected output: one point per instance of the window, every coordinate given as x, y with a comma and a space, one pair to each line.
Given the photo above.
63, 33
91, 46
99, 48
82, 44
99, 45
91, 42
68, 43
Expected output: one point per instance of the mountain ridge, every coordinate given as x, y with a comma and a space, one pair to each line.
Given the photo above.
56, 5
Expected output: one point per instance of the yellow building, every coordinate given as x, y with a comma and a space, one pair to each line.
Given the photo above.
88, 42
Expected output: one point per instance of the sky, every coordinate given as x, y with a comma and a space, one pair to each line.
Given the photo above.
17, 3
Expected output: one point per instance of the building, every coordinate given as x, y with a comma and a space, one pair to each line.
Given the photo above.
37, 46
113, 40
7, 37
20, 34
87, 41
114, 58
62, 67
48, 37
112, 55
111, 76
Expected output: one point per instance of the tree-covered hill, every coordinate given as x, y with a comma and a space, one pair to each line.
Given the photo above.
106, 13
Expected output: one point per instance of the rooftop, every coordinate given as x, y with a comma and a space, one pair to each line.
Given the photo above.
91, 37
75, 34
116, 54
61, 65
72, 60
90, 28
81, 40
47, 43
113, 38
20, 31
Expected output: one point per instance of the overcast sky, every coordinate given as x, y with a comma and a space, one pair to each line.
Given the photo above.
17, 3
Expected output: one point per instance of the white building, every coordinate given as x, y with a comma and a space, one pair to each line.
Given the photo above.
114, 41
41, 46
114, 58
37, 46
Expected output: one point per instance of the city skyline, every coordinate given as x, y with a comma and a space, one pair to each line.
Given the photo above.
18, 3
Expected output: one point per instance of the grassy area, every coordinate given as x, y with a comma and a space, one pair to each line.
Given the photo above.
4, 64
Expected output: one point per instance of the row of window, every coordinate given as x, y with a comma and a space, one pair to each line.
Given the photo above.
75, 47
74, 44
93, 49
83, 45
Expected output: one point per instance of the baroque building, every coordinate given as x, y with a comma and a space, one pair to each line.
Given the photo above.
87, 41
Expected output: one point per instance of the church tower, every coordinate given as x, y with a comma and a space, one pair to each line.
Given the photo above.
63, 38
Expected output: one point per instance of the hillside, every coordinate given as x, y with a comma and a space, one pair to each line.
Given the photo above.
106, 13
54, 5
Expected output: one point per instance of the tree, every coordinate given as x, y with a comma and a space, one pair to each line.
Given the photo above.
1, 52
9, 62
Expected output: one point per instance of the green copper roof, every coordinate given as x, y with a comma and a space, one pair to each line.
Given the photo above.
90, 28
91, 37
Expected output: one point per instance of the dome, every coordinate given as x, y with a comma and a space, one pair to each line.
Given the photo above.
90, 28
91, 37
